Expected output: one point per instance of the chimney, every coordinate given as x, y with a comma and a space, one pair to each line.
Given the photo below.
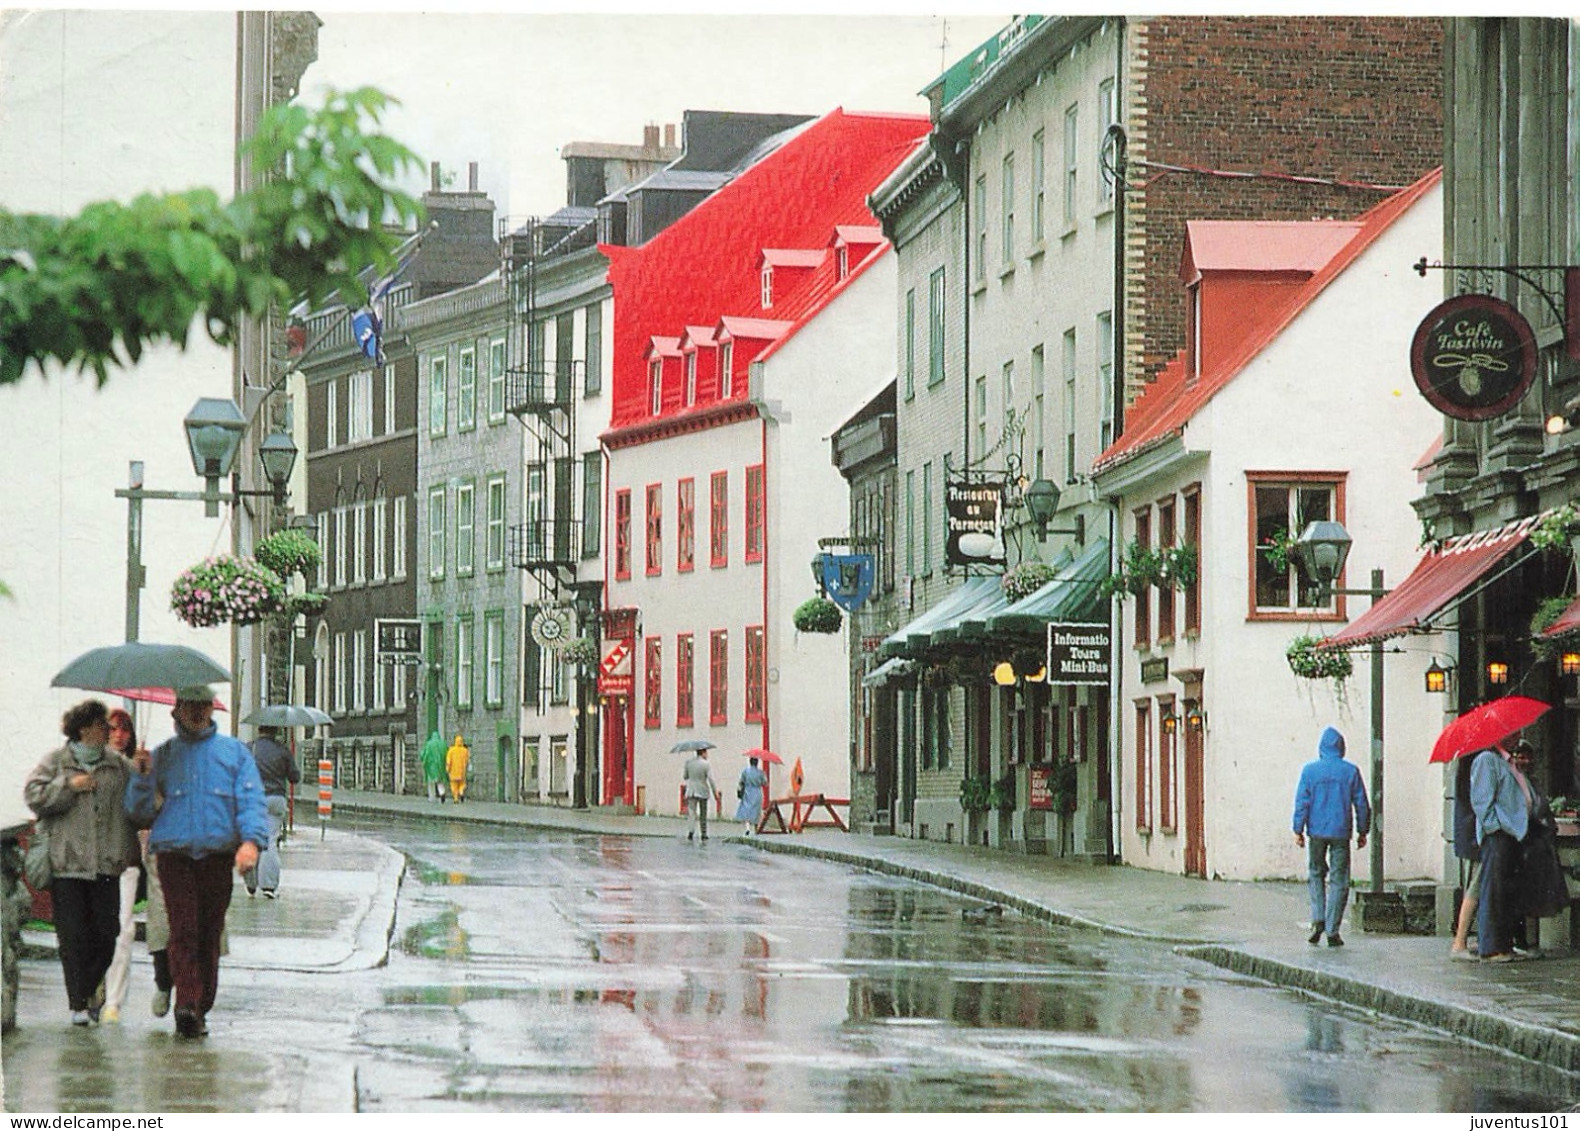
650, 136
433, 174
669, 135
471, 177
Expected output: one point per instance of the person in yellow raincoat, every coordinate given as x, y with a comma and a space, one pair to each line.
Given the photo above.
455, 762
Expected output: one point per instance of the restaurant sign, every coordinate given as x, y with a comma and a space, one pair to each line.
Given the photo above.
1078, 654
1473, 357
975, 531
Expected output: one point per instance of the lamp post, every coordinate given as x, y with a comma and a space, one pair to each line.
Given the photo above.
1042, 503
1321, 551
214, 429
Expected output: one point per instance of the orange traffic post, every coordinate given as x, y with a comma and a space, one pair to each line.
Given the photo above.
326, 795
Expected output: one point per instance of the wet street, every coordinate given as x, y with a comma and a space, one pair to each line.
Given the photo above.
549, 971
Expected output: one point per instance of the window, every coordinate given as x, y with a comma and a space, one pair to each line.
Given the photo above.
496, 380
1165, 592
756, 674
359, 541
927, 518
359, 671
981, 414
1105, 379
1193, 331
686, 525
1038, 376
1007, 217
1039, 185
719, 520
1282, 506
910, 343
331, 415
537, 348
463, 664
465, 529
979, 207
685, 681
379, 673
655, 385
559, 686
398, 687
1192, 497
842, 260
655, 529
536, 542
935, 327
691, 378
494, 541
389, 399
935, 729
1107, 115
398, 540
1068, 356
340, 546
910, 523
1071, 155
1006, 386
726, 371
531, 668
592, 368
340, 673
592, 504
653, 684
436, 520
466, 390
1143, 518
323, 545
359, 407
756, 512
719, 677
1143, 766
381, 531
768, 286
564, 354
438, 381
1168, 817
494, 659
622, 534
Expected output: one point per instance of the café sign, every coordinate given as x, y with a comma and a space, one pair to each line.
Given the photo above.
1078, 653
1473, 357
975, 533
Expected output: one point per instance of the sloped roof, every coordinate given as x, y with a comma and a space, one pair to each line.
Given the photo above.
1266, 245
793, 256
706, 267
1168, 403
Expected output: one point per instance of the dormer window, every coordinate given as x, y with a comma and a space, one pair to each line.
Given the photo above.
842, 258
655, 383
691, 378
726, 368
1193, 331
768, 286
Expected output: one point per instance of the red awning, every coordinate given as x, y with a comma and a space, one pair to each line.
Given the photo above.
1436, 580
1568, 620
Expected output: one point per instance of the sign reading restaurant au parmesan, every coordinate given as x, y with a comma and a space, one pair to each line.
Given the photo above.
1078, 653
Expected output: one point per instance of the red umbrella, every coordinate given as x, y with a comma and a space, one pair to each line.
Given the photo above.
164, 695
768, 757
1486, 725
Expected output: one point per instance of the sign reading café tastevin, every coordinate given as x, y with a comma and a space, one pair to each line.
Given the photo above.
1473, 357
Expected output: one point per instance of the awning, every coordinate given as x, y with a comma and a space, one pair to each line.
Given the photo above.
971, 626
1437, 580
1568, 621
1073, 595
887, 672
972, 591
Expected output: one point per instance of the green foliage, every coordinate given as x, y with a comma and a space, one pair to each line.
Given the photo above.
976, 794
1062, 786
1023, 580
1279, 548
226, 588
1557, 528
1172, 567
817, 614
287, 552
579, 650
1309, 661
95, 289
1002, 795
305, 604
1548, 647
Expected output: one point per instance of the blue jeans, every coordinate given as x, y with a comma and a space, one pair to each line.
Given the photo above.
267, 874
1328, 880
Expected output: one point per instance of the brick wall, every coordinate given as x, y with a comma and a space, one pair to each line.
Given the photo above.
1349, 99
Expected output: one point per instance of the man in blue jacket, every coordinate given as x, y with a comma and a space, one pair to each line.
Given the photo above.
1329, 793
1503, 810
200, 796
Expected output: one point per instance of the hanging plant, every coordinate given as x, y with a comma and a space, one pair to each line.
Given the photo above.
287, 552
1177, 566
976, 794
1555, 529
1172, 567
1023, 580
226, 588
580, 650
1308, 661
1548, 647
306, 605
818, 614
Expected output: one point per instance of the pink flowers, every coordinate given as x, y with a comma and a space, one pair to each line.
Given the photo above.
226, 588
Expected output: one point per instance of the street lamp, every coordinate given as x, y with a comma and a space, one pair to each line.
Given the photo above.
1437, 677
1042, 503
1321, 551
278, 453
213, 427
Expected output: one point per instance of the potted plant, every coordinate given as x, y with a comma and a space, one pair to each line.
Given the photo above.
975, 794
1022, 580
226, 588
1279, 547
306, 604
1177, 566
1557, 528
1547, 647
1309, 661
818, 614
581, 651
1002, 794
287, 552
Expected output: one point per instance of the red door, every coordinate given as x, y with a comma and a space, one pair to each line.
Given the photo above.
1195, 830
617, 767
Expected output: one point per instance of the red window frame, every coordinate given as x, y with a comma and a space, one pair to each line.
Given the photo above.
1143, 765
1166, 538
685, 680
622, 534
686, 525
1192, 498
653, 684
1143, 519
655, 529
756, 673
1168, 744
719, 677
756, 512
719, 516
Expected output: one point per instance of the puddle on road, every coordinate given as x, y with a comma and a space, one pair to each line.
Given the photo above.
439, 937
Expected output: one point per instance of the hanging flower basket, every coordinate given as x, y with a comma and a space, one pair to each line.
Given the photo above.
1308, 661
287, 552
1557, 528
1023, 580
817, 615
580, 650
306, 605
226, 588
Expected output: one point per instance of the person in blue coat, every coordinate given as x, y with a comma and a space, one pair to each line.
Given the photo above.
200, 796
1330, 807
750, 790
1503, 812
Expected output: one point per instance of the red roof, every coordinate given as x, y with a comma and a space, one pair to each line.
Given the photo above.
793, 257
1288, 252
1568, 621
705, 269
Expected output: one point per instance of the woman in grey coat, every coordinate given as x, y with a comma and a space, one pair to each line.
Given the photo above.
76, 792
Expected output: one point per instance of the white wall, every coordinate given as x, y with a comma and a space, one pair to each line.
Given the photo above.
77, 124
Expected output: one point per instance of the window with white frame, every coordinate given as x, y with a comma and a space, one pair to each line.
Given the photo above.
494, 543
726, 370
1107, 115
331, 414
398, 540
359, 406
592, 367
438, 389
494, 659
935, 327
1040, 423
655, 385
927, 518
981, 413
436, 521
1007, 211
768, 286
340, 673
380, 676
1281, 506
381, 532
389, 399
340, 546
359, 671
496, 380
1069, 404
691, 378
979, 204
1007, 387
1105, 379
359, 543
1071, 159
466, 390
842, 260
323, 549
910, 344
398, 687
463, 664
1039, 185
465, 529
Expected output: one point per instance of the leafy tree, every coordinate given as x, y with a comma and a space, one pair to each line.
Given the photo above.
94, 289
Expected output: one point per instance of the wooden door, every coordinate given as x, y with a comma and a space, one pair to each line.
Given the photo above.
1195, 809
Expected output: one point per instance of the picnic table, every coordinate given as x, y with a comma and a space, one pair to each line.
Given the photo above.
804, 813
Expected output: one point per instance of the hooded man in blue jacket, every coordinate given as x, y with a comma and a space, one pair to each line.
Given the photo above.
201, 798
1329, 793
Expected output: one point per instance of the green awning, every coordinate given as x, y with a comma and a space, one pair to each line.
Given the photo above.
887, 672
1073, 595
912, 639
970, 626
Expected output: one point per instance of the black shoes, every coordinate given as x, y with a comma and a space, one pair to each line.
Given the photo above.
190, 1024
1316, 934
1334, 940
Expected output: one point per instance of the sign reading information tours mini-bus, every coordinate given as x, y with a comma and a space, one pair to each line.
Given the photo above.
1473, 357
1078, 654
397, 641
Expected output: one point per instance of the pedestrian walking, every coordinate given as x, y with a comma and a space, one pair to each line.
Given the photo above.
433, 766
278, 771
197, 841
1542, 890
456, 760
1330, 806
700, 789
123, 740
750, 791
77, 793
1502, 818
